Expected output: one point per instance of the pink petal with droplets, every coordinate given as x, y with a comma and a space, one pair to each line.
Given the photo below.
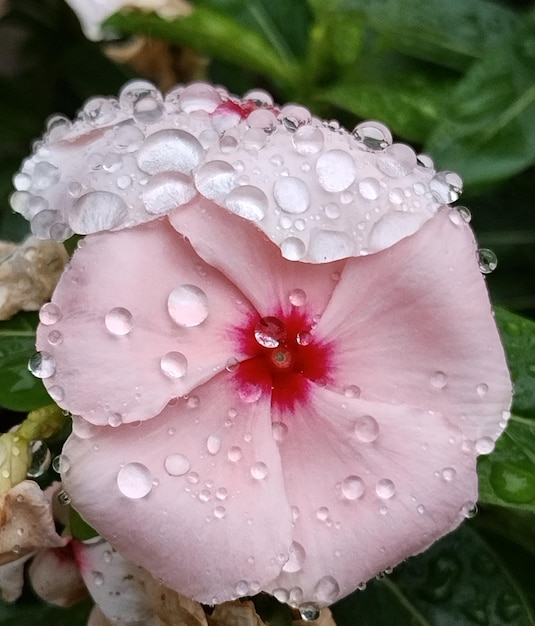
413, 325
141, 320
206, 473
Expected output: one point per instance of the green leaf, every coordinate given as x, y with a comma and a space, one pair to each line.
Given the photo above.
488, 132
35, 613
215, 33
449, 33
19, 389
459, 581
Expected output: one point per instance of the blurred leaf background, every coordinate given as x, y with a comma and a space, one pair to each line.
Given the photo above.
456, 78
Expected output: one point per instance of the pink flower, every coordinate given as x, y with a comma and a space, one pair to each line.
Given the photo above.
282, 379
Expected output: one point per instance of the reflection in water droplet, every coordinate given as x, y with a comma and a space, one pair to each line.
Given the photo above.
352, 487
487, 260
372, 136
279, 430
134, 480
446, 187
439, 380
174, 365
469, 509
335, 170
61, 464
309, 612
308, 140
296, 558
49, 313
176, 465
484, 445
42, 365
297, 297
259, 470
448, 474
119, 321
188, 305
39, 458
327, 589
270, 332
235, 454
213, 444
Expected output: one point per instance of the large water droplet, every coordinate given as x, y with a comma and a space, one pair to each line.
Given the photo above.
330, 245
291, 194
366, 429
487, 260
352, 487
216, 179
397, 161
308, 140
213, 444
279, 430
128, 137
134, 480
148, 110
188, 305
270, 332
100, 111
327, 589
446, 187
385, 488
448, 474
293, 248
119, 321
176, 464
96, 211
170, 151
259, 470
484, 445
174, 365
297, 297
235, 454
42, 365
40, 458
296, 558
49, 313
335, 170
167, 191
372, 136
439, 380
309, 612
248, 202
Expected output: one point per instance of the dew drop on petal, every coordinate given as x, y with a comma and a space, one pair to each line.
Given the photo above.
439, 380
446, 187
176, 464
188, 305
385, 488
291, 194
42, 365
304, 338
96, 211
119, 321
250, 392
296, 558
281, 594
327, 589
167, 191
216, 179
134, 480
279, 430
448, 474
297, 297
269, 332
352, 391
259, 470
235, 454
61, 464
330, 245
170, 151
232, 364
174, 365
49, 313
57, 393
487, 260
397, 160
469, 509
366, 429
484, 445
213, 444
369, 188
248, 202
40, 458
220, 512
482, 389
293, 248
335, 170
352, 487
308, 140
372, 136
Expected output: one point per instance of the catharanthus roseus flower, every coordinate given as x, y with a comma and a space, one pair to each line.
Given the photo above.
279, 353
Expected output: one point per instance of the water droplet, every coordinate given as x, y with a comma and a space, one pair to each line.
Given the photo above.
39, 458
439, 380
119, 321
335, 170
293, 248
309, 612
213, 444
49, 313
446, 187
308, 140
482, 389
188, 305
63, 498
352, 487
291, 194
216, 179
369, 188
97, 211
449, 474
487, 260
484, 445
327, 589
174, 365
61, 464
128, 137
352, 391
134, 480
248, 202
279, 430
170, 151
235, 454
281, 594
250, 392
232, 364
294, 117
296, 558
167, 191
259, 470
220, 512
297, 297
366, 429
115, 420
385, 488
176, 464
270, 332
42, 365
330, 245
55, 338
397, 160
372, 136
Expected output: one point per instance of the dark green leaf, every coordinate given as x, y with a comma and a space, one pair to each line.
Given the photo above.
448, 33
19, 389
35, 613
459, 581
79, 528
488, 132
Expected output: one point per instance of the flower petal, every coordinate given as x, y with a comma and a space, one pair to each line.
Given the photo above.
137, 320
427, 338
268, 280
207, 474
370, 484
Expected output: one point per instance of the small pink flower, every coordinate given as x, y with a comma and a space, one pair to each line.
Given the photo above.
281, 380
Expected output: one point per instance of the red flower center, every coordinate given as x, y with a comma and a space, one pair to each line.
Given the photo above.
284, 358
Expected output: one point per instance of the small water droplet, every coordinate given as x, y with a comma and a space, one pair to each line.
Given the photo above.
213, 444
420, 509
281, 594
61, 464
174, 365
170, 150
42, 365
487, 260
220, 512
39, 458
369, 188
259, 470
366, 429
134, 480
449, 474
469, 509
119, 321
335, 170
322, 513
291, 194
248, 202
484, 445
188, 305
63, 498
439, 380
309, 612
385, 488
482, 389
293, 248
215, 179
57, 393
98, 578
279, 430
352, 391
352, 487
49, 313
327, 589
446, 187
176, 464
55, 338
296, 558
270, 332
